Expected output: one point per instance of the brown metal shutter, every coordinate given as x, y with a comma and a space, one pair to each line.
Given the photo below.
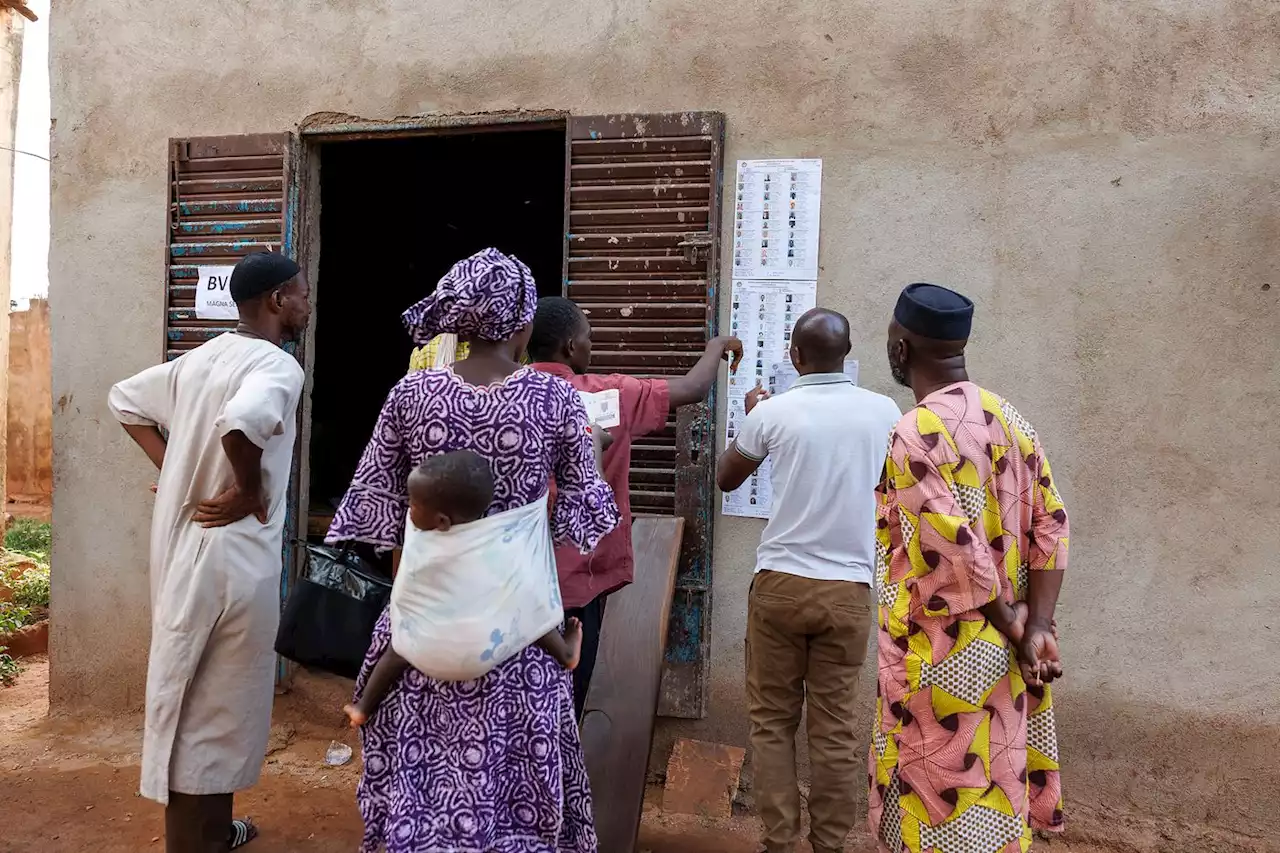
230, 196
642, 261
227, 199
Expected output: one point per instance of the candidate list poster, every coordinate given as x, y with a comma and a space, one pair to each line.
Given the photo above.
776, 217
762, 314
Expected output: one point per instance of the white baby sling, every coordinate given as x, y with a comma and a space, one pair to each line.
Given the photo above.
469, 598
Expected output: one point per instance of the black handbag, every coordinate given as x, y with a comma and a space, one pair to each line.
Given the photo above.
331, 612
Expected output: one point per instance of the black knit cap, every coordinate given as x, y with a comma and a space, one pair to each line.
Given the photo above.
260, 273
934, 312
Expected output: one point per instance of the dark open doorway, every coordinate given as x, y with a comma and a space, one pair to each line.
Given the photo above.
395, 215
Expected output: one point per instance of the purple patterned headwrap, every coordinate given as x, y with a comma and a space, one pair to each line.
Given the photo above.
489, 296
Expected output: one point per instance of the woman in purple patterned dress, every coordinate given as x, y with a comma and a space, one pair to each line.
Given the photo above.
493, 764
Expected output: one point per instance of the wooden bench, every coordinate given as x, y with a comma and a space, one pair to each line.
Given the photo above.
617, 725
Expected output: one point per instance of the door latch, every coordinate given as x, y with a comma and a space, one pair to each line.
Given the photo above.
696, 248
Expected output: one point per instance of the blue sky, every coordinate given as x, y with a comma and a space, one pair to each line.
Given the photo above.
30, 270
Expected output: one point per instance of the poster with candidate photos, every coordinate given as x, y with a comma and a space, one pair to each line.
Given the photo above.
762, 315
776, 219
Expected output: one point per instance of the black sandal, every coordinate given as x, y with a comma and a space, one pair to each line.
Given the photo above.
242, 832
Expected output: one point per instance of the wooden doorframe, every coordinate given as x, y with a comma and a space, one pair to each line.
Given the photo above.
302, 230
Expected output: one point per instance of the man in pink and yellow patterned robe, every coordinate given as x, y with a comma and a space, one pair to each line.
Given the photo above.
972, 543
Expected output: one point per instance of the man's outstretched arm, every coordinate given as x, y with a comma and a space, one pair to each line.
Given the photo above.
696, 384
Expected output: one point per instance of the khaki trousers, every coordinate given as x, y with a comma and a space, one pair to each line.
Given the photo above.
806, 639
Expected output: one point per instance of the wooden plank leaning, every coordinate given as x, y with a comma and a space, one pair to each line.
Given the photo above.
617, 727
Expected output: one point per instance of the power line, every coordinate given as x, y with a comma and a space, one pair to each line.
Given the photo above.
28, 153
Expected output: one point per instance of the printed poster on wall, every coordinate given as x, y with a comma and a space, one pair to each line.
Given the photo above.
776, 217
213, 294
762, 315
785, 375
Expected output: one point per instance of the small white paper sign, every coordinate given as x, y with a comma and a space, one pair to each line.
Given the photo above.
603, 407
851, 370
784, 375
213, 294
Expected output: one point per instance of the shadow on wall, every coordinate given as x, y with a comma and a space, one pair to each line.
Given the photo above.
30, 446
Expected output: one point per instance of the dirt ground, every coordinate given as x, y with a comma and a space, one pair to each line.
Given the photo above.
70, 785
39, 509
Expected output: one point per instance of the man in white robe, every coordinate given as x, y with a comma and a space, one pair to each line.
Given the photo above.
229, 410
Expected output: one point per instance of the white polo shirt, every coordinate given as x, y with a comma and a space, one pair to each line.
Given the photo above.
827, 439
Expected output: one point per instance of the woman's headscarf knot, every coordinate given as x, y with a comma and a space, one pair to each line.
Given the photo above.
489, 296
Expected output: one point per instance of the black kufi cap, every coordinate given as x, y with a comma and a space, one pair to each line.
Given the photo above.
260, 273
934, 312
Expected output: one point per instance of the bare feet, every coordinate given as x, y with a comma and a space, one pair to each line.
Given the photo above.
356, 716
573, 643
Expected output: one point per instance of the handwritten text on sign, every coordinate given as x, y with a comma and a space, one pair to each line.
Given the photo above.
213, 294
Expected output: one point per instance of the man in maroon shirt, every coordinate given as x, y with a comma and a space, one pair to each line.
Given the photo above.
561, 345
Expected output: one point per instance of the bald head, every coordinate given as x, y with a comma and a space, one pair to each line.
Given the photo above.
820, 341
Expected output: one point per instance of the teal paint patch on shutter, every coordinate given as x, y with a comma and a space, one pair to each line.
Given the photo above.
226, 200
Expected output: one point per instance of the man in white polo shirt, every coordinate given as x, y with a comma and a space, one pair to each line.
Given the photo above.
810, 610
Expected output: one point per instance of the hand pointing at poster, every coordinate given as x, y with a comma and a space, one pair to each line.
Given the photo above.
732, 347
755, 395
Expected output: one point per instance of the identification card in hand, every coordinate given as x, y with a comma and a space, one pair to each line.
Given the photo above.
603, 407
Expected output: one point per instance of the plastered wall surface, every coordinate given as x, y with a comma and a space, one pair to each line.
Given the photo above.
1102, 178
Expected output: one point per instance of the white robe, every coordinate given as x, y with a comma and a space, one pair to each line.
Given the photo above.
215, 594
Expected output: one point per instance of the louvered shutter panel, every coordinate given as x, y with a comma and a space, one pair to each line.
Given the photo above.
230, 196
226, 200
642, 260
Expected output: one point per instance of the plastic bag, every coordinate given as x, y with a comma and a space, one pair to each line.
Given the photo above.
471, 597
328, 621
